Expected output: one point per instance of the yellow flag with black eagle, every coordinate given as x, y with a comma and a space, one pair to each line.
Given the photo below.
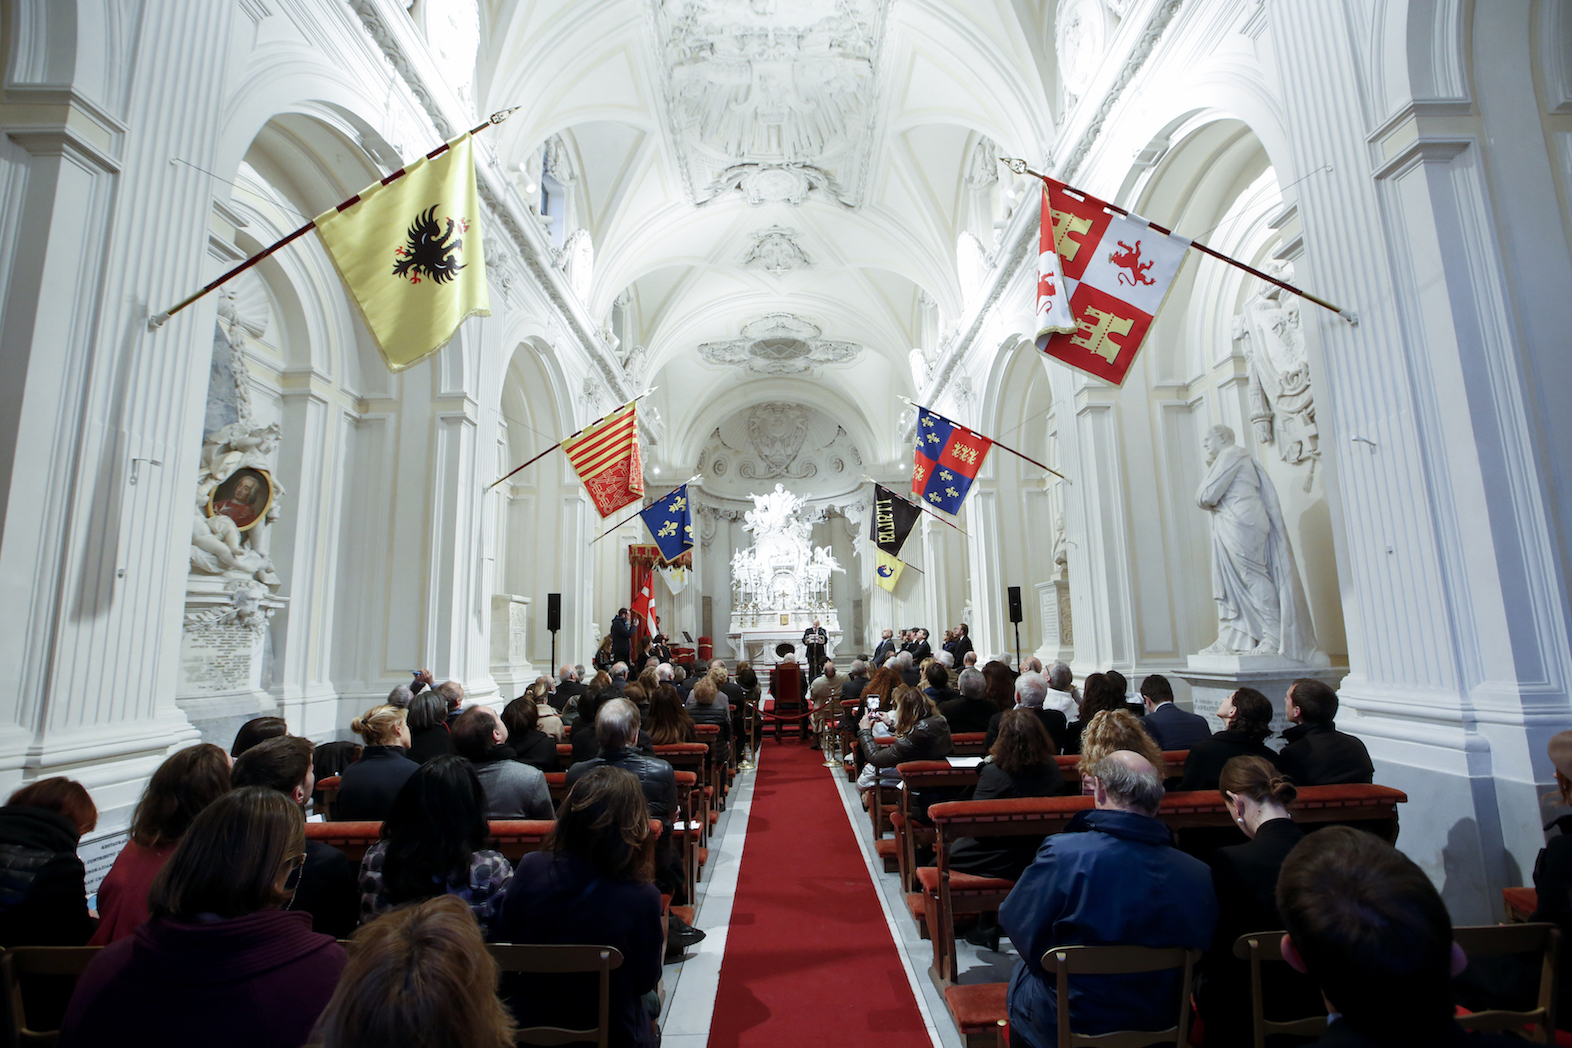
410, 251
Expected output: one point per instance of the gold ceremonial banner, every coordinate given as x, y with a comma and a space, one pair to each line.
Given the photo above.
410, 252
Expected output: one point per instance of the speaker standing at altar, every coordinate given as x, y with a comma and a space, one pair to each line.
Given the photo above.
814, 639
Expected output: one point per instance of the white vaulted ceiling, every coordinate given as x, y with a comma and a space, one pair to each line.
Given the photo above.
777, 191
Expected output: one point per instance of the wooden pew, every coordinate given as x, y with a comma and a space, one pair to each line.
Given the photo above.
911, 833
514, 838
947, 892
969, 744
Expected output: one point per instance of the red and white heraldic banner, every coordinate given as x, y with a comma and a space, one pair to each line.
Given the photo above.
1117, 271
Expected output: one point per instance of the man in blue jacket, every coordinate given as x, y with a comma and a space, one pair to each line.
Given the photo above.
1111, 878
1173, 728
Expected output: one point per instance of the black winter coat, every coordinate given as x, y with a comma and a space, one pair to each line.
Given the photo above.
367, 787
43, 893
1204, 766
1320, 755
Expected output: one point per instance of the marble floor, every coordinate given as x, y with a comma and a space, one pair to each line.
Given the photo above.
690, 987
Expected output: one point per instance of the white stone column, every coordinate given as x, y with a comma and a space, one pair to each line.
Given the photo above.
100, 431
1444, 411
990, 625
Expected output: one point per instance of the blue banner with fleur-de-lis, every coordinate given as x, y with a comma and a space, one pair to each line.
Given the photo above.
670, 521
948, 456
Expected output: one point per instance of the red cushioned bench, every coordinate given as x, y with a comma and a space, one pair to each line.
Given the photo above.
947, 892
514, 838
910, 833
1521, 904
969, 744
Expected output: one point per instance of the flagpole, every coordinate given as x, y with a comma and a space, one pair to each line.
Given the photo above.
995, 443
570, 436
1020, 168
691, 480
159, 319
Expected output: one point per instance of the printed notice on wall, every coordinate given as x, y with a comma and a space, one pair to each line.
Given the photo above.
98, 854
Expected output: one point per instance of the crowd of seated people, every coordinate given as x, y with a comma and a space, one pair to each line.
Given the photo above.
221, 920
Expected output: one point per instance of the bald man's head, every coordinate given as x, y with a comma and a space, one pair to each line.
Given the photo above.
1126, 781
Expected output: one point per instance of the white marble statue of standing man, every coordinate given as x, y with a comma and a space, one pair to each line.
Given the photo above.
1261, 607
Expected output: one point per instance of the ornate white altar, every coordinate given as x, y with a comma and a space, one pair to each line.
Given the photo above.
781, 584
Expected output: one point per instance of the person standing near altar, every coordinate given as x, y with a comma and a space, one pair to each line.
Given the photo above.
814, 640
622, 637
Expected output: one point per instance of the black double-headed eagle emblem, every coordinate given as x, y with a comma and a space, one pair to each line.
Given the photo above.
432, 252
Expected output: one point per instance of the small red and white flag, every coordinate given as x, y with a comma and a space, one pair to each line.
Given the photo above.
1053, 298
1117, 270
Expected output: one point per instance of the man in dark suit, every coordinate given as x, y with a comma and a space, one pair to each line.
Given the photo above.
1030, 690
920, 649
969, 711
885, 649
1173, 728
1317, 753
568, 691
622, 636
814, 640
961, 644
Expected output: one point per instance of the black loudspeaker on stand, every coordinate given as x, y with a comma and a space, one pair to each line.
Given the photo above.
553, 623
1015, 617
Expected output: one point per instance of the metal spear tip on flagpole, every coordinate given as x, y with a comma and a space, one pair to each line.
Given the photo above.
502, 114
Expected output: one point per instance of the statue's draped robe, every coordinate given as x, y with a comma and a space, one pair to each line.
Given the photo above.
1254, 580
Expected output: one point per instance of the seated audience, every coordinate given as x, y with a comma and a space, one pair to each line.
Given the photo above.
1113, 730
920, 735
1062, 694
906, 665
547, 719
513, 790
583, 731
428, 727
591, 883
1100, 696
1020, 764
1553, 879
1112, 877
1247, 715
1244, 877
187, 782
569, 688
255, 730
1317, 754
43, 885
220, 960
1173, 728
669, 722
824, 695
706, 709
420, 977
366, 788
327, 889
936, 681
1369, 927
616, 728
1029, 690
969, 710
530, 745
1121, 687
433, 843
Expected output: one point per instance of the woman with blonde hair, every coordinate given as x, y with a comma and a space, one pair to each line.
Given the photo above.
366, 788
1112, 730
419, 977
592, 882
920, 733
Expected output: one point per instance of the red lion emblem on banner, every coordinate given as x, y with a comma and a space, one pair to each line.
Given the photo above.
1130, 259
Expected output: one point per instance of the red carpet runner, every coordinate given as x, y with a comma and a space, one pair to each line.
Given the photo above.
809, 957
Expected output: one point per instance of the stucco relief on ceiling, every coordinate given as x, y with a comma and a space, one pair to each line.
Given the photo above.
780, 441
773, 97
780, 344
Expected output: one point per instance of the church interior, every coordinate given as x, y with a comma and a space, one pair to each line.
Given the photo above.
793, 234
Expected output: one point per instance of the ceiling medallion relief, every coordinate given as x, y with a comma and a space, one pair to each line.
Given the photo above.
780, 344
780, 441
776, 251
771, 97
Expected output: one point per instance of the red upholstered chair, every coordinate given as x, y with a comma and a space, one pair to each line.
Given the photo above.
351, 838
969, 744
786, 704
516, 838
328, 789
557, 786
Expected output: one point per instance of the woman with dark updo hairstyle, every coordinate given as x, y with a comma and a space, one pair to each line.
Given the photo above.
1247, 720
1245, 878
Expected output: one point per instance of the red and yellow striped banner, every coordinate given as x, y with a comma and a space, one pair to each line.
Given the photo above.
606, 458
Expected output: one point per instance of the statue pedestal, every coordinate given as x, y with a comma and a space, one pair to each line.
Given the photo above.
510, 665
1053, 604
225, 670
1212, 678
